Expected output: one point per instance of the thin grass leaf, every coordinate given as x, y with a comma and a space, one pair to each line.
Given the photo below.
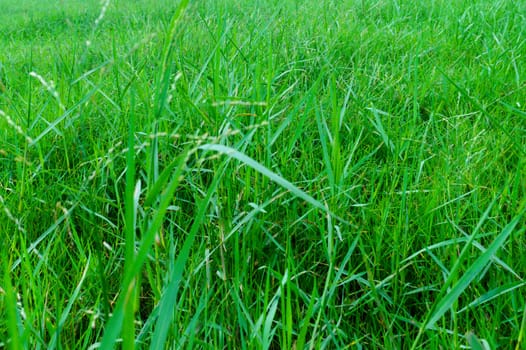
14, 327
476, 343
490, 117
163, 79
130, 207
522, 330
454, 271
268, 173
435, 246
43, 236
494, 293
305, 100
190, 331
300, 342
337, 281
114, 325
513, 109
64, 316
169, 298
67, 113
325, 141
377, 123
268, 331
455, 241
445, 303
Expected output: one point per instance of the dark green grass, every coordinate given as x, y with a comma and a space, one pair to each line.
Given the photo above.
331, 174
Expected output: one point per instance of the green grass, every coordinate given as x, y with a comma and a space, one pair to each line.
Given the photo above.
262, 174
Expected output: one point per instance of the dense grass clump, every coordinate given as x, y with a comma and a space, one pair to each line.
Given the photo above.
263, 174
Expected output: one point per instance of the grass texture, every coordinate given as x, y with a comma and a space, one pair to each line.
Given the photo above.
262, 174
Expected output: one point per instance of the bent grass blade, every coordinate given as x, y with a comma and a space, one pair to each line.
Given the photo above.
232, 153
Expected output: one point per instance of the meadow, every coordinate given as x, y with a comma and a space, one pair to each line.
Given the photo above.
262, 174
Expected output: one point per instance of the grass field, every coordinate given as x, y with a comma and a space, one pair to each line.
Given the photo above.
263, 174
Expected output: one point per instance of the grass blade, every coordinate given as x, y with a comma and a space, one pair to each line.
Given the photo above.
445, 303
71, 301
302, 337
522, 330
114, 325
232, 153
377, 123
13, 318
494, 293
130, 209
169, 298
476, 343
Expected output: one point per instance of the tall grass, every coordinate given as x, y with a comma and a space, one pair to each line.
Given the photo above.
264, 174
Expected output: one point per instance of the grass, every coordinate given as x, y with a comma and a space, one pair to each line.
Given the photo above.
264, 174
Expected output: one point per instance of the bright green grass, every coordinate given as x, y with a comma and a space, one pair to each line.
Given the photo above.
271, 174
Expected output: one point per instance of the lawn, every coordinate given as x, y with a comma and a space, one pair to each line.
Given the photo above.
262, 174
